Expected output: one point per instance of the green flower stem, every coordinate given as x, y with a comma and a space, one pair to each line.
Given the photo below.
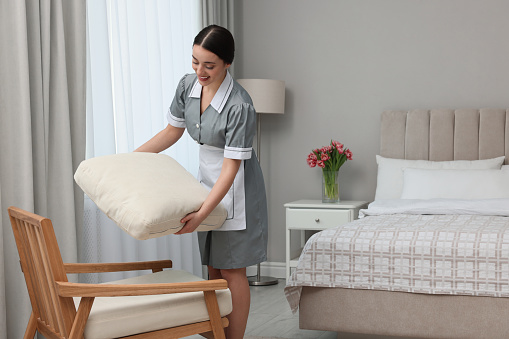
330, 185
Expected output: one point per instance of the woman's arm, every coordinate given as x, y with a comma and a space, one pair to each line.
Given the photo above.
224, 182
162, 140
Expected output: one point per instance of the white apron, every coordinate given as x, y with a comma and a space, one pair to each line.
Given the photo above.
211, 162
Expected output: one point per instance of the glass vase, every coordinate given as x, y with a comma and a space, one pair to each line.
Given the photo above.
330, 186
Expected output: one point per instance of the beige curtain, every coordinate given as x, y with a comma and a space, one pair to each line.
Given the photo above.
219, 12
42, 131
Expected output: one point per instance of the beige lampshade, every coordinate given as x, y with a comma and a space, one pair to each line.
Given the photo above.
268, 95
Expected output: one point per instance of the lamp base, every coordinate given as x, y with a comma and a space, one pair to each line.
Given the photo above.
258, 280
262, 281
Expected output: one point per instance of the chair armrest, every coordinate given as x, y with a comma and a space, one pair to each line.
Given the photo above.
155, 266
69, 289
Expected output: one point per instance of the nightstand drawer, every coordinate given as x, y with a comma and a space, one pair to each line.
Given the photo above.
316, 218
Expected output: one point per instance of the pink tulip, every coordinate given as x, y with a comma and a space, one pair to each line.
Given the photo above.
326, 149
326, 156
339, 146
348, 154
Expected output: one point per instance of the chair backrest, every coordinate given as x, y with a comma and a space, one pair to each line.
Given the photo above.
42, 265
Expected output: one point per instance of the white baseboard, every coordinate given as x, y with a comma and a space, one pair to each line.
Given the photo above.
270, 269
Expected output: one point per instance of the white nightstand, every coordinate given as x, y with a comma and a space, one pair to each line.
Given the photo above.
313, 215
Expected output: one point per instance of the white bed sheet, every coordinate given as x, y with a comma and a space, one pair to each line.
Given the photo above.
498, 207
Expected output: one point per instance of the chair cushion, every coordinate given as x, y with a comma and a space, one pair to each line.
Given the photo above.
121, 316
145, 194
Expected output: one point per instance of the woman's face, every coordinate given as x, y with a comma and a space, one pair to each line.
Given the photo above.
208, 66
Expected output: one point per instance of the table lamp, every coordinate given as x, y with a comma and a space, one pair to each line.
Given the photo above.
268, 98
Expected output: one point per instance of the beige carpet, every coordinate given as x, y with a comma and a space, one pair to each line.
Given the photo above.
256, 337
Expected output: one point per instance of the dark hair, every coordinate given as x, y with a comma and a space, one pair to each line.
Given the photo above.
217, 40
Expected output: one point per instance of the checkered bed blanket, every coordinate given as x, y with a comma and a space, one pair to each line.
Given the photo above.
457, 252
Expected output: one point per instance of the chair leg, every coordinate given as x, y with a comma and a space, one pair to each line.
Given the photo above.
31, 327
214, 315
81, 318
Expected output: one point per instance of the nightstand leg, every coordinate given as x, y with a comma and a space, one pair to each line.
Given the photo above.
287, 254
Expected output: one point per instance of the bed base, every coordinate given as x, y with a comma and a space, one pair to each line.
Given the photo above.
401, 314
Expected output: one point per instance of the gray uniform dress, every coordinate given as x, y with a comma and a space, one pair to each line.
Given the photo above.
226, 130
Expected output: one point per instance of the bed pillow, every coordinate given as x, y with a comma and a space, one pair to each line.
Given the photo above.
390, 172
145, 194
455, 184
505, 168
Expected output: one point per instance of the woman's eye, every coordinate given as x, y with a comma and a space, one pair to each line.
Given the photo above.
209, 67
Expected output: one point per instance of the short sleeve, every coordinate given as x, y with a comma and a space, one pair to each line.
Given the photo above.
175, 115
240, 130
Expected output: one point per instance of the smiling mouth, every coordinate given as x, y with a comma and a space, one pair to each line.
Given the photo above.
204, 78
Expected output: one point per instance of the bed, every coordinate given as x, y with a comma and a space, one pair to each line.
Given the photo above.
434, 264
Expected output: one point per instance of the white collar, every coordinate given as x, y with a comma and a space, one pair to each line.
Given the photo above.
221, 96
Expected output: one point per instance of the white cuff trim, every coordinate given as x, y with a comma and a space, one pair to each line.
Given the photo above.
174, 121
237, 153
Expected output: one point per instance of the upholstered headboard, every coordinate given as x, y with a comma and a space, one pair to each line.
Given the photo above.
442, 134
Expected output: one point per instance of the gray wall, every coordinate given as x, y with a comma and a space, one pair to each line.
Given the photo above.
346, 61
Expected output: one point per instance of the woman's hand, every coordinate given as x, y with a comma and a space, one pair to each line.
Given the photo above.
191, 222
224, 182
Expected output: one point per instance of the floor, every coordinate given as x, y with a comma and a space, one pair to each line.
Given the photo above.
270, 316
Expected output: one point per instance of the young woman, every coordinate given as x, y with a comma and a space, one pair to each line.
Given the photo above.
219, 114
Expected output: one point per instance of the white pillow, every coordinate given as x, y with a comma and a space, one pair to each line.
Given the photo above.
390, 172
505, 168
145, 194
455, 184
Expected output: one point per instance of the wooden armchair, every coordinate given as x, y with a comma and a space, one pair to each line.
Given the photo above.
164, 304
